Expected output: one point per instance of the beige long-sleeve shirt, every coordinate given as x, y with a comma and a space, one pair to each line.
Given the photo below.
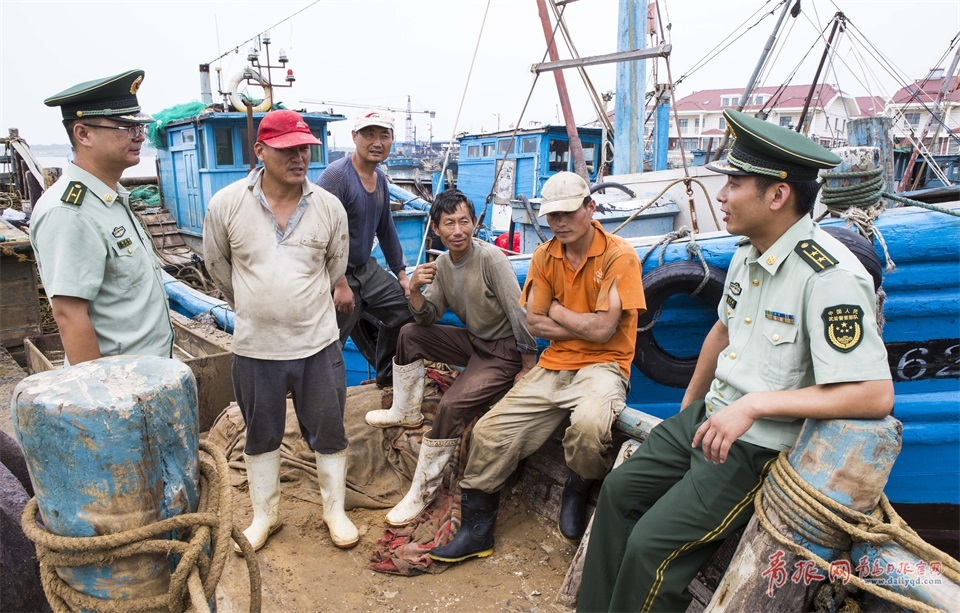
278, 283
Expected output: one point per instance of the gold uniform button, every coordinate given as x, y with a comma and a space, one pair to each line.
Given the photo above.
756, 282
720, 394
776, 337
733, 356
108, 198
130, 250
747, 320
771, 260
729, 311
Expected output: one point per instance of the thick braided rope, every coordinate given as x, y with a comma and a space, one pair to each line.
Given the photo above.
197, 574
859, 204
693, 249
800, 505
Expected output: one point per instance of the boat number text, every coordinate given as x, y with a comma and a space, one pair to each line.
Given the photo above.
934, 359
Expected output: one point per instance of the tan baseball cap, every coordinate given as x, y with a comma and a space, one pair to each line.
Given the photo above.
562, 193
373, 117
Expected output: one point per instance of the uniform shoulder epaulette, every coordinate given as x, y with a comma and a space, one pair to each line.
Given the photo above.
75, 193
815, 255
743, 241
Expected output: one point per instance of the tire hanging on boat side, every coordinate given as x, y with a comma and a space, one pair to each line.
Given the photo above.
658, 285
860, 247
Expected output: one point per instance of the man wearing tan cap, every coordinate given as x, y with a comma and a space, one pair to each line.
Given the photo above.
275, 244
371, 303
95, 260
584, 293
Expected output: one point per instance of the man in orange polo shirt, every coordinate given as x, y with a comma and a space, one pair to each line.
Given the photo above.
584, 294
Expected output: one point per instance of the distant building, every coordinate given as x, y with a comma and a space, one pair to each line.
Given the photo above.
910, 110
700, 114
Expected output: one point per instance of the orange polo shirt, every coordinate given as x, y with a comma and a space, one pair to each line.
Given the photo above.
586, 290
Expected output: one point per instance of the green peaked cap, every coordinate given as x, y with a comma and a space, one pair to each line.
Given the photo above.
113, 97
762, 148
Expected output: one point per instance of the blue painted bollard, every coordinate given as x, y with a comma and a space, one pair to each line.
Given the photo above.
111, 445
847, 460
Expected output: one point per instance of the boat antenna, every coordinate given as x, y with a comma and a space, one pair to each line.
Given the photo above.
236, 49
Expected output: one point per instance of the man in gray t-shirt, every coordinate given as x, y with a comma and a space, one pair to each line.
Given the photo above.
475, 281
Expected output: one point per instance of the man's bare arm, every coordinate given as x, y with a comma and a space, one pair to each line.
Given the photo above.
76, 329
595, 327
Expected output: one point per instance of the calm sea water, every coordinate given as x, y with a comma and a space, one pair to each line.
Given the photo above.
146, 168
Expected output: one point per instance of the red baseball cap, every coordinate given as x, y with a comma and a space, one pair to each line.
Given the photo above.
285, 129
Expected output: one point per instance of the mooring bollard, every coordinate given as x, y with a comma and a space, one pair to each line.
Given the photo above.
892, 566
111, 445
847, 460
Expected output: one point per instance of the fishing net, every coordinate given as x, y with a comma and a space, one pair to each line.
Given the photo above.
180, 111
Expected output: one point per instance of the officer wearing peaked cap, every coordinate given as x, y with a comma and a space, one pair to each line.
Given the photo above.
796, 338
95, 259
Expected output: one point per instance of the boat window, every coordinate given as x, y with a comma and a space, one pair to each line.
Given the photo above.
473, 151
505, 146
488, 150
528, 145
201, 147
188, 137
245, 147
559, 155
590, 156
316, 151
223, 141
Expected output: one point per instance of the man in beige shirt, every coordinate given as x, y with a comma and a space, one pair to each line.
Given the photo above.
276, 244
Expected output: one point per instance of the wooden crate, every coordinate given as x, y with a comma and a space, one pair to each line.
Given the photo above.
207, 354
19, 301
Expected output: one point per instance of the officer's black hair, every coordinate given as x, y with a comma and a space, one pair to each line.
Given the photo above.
68, 125
805, 192
447, 202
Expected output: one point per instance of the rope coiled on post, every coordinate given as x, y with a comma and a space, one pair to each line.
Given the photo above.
816, 517
203, 552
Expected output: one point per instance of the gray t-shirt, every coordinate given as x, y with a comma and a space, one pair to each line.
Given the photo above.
482, 290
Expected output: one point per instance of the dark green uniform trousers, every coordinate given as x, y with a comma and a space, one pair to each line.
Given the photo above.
662, 514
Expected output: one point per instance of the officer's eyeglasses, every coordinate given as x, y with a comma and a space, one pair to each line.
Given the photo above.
133, 131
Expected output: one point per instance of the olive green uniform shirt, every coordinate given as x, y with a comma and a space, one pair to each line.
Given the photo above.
802, 313
89, 245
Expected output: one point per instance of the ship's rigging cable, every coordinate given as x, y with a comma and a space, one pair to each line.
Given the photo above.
256, 36
466, 86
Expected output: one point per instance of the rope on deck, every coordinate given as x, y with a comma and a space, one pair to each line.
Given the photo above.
208, 534
816, 517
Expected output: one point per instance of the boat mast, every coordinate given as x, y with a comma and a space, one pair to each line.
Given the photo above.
934, 116
837, 20
629, 105
756, 71
576, 147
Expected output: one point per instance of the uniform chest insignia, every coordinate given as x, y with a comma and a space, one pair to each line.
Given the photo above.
119, 231
843, 326
74, 194
735, 288
731, 302
814, 255
124, 243
781, 317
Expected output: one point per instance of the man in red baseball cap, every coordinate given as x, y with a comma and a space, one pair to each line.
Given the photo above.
276, 244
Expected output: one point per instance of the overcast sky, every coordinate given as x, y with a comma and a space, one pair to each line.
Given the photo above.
377, 52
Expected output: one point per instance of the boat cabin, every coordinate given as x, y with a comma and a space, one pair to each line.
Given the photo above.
209, 151
528, 160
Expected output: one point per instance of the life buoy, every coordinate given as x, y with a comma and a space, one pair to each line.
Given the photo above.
236, 100
860, 247
658, 285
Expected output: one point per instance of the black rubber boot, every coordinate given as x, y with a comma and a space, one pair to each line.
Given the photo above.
573, 506
475, 538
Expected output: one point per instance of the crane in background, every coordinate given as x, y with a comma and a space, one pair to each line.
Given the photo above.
409, 137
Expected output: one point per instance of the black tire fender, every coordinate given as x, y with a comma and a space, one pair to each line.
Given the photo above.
860, 247
658, 285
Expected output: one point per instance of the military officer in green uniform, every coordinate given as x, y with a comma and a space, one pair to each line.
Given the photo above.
796, 338
96, 261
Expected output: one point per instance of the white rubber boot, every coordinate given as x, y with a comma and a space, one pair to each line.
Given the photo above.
407, 396
263, 478
332, 474
434, 456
